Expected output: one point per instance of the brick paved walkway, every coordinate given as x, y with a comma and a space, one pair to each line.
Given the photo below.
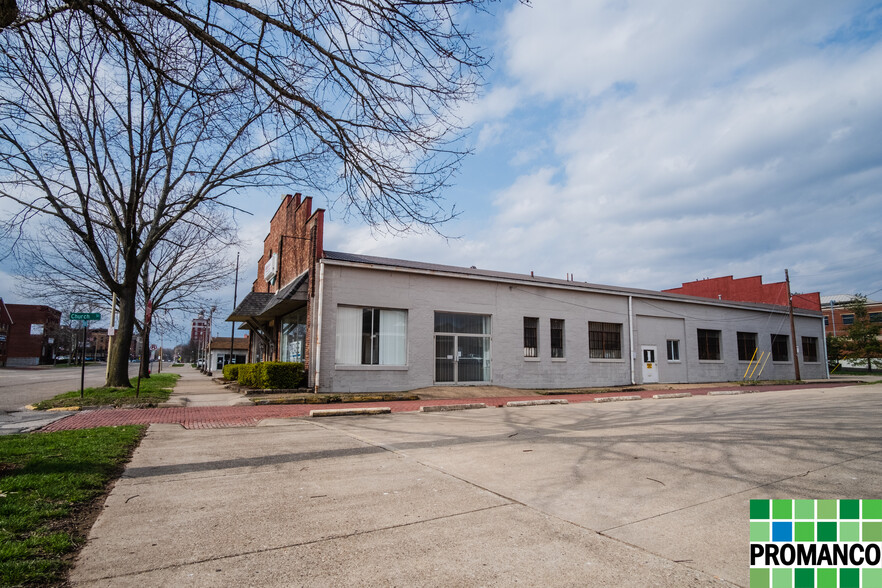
218, 417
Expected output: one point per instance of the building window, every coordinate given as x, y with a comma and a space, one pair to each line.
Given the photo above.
292, 340
673, 350
531, 337
876, 317
746, 346
557, 338
708, 344
371, 336
604, 340
810, 349
847, 319
780, 348
826, 321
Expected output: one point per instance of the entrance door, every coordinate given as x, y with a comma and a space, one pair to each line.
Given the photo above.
650, 366
461, 359
445, 360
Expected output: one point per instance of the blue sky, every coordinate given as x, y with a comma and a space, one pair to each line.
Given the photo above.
648, 143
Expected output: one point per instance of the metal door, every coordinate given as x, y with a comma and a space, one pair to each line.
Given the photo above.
650, 366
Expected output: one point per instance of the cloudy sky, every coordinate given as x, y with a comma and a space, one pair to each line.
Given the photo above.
648, 143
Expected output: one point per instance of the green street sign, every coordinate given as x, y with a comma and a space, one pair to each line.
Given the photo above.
85, 316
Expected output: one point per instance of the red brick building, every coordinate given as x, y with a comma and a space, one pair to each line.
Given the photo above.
749, 289
199, 330
278, 312
31, 335
838, 318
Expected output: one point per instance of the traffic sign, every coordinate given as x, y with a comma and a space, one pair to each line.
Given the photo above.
85, 316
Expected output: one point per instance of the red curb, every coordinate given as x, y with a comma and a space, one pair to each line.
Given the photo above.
219, 417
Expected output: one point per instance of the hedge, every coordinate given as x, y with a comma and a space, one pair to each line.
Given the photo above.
231, 371
247, 375
281, 374
268, 374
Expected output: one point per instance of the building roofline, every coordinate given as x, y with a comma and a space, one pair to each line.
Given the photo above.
356, 260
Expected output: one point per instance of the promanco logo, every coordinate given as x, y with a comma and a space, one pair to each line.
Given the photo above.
816, 543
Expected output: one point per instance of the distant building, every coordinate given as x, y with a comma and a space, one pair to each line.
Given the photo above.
199, 330
96, 346
838, 318
31, 336
220, 352
749, 289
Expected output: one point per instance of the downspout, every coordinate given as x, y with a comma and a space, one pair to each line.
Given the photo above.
631, 336
824, 339
318, 326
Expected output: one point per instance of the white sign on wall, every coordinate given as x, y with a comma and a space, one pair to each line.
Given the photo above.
36, 329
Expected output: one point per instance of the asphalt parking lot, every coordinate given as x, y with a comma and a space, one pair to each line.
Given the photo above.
648, 493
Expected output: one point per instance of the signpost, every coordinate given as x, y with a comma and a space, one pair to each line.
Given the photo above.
84, 317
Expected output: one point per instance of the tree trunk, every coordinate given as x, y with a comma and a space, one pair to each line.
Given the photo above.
118, 366
145, 353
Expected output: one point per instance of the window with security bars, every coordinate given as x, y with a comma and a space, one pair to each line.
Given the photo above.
746, 346
604, 340
709, 344
847, 319
531, 337
810, 349
780, 348
557, 338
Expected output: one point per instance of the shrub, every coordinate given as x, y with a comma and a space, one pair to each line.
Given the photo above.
280, 374
231, 371
247, 374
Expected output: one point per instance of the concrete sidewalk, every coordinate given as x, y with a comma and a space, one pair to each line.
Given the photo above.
196, 389
613, 494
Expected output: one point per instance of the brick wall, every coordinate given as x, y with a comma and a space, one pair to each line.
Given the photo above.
749, 289
23, 348
296, 236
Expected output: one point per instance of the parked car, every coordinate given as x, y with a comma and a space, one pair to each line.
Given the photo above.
200, 362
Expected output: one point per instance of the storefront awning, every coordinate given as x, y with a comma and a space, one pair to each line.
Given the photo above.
261, 307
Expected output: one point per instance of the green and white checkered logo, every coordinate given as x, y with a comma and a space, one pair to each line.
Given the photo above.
816, 543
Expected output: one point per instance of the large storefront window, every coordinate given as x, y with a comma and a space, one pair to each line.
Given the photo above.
462, 348
371, 336
292, 343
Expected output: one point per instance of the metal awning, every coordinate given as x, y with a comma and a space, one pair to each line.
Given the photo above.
261, 307
251, 306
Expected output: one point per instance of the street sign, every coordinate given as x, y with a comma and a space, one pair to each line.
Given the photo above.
85, 316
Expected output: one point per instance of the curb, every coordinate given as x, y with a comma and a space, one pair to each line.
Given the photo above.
676, 395
617, 398
728, 392
349, 411
446, 407
515, 403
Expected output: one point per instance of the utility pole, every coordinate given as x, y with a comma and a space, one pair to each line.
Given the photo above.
235, 296
111, 332
792, 327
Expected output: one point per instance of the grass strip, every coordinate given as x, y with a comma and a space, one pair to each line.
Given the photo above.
155, 389
51, 488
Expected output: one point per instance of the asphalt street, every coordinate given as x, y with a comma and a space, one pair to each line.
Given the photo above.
648, 493
22, 386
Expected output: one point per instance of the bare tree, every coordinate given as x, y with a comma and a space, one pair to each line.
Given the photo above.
126, 116
184, 269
